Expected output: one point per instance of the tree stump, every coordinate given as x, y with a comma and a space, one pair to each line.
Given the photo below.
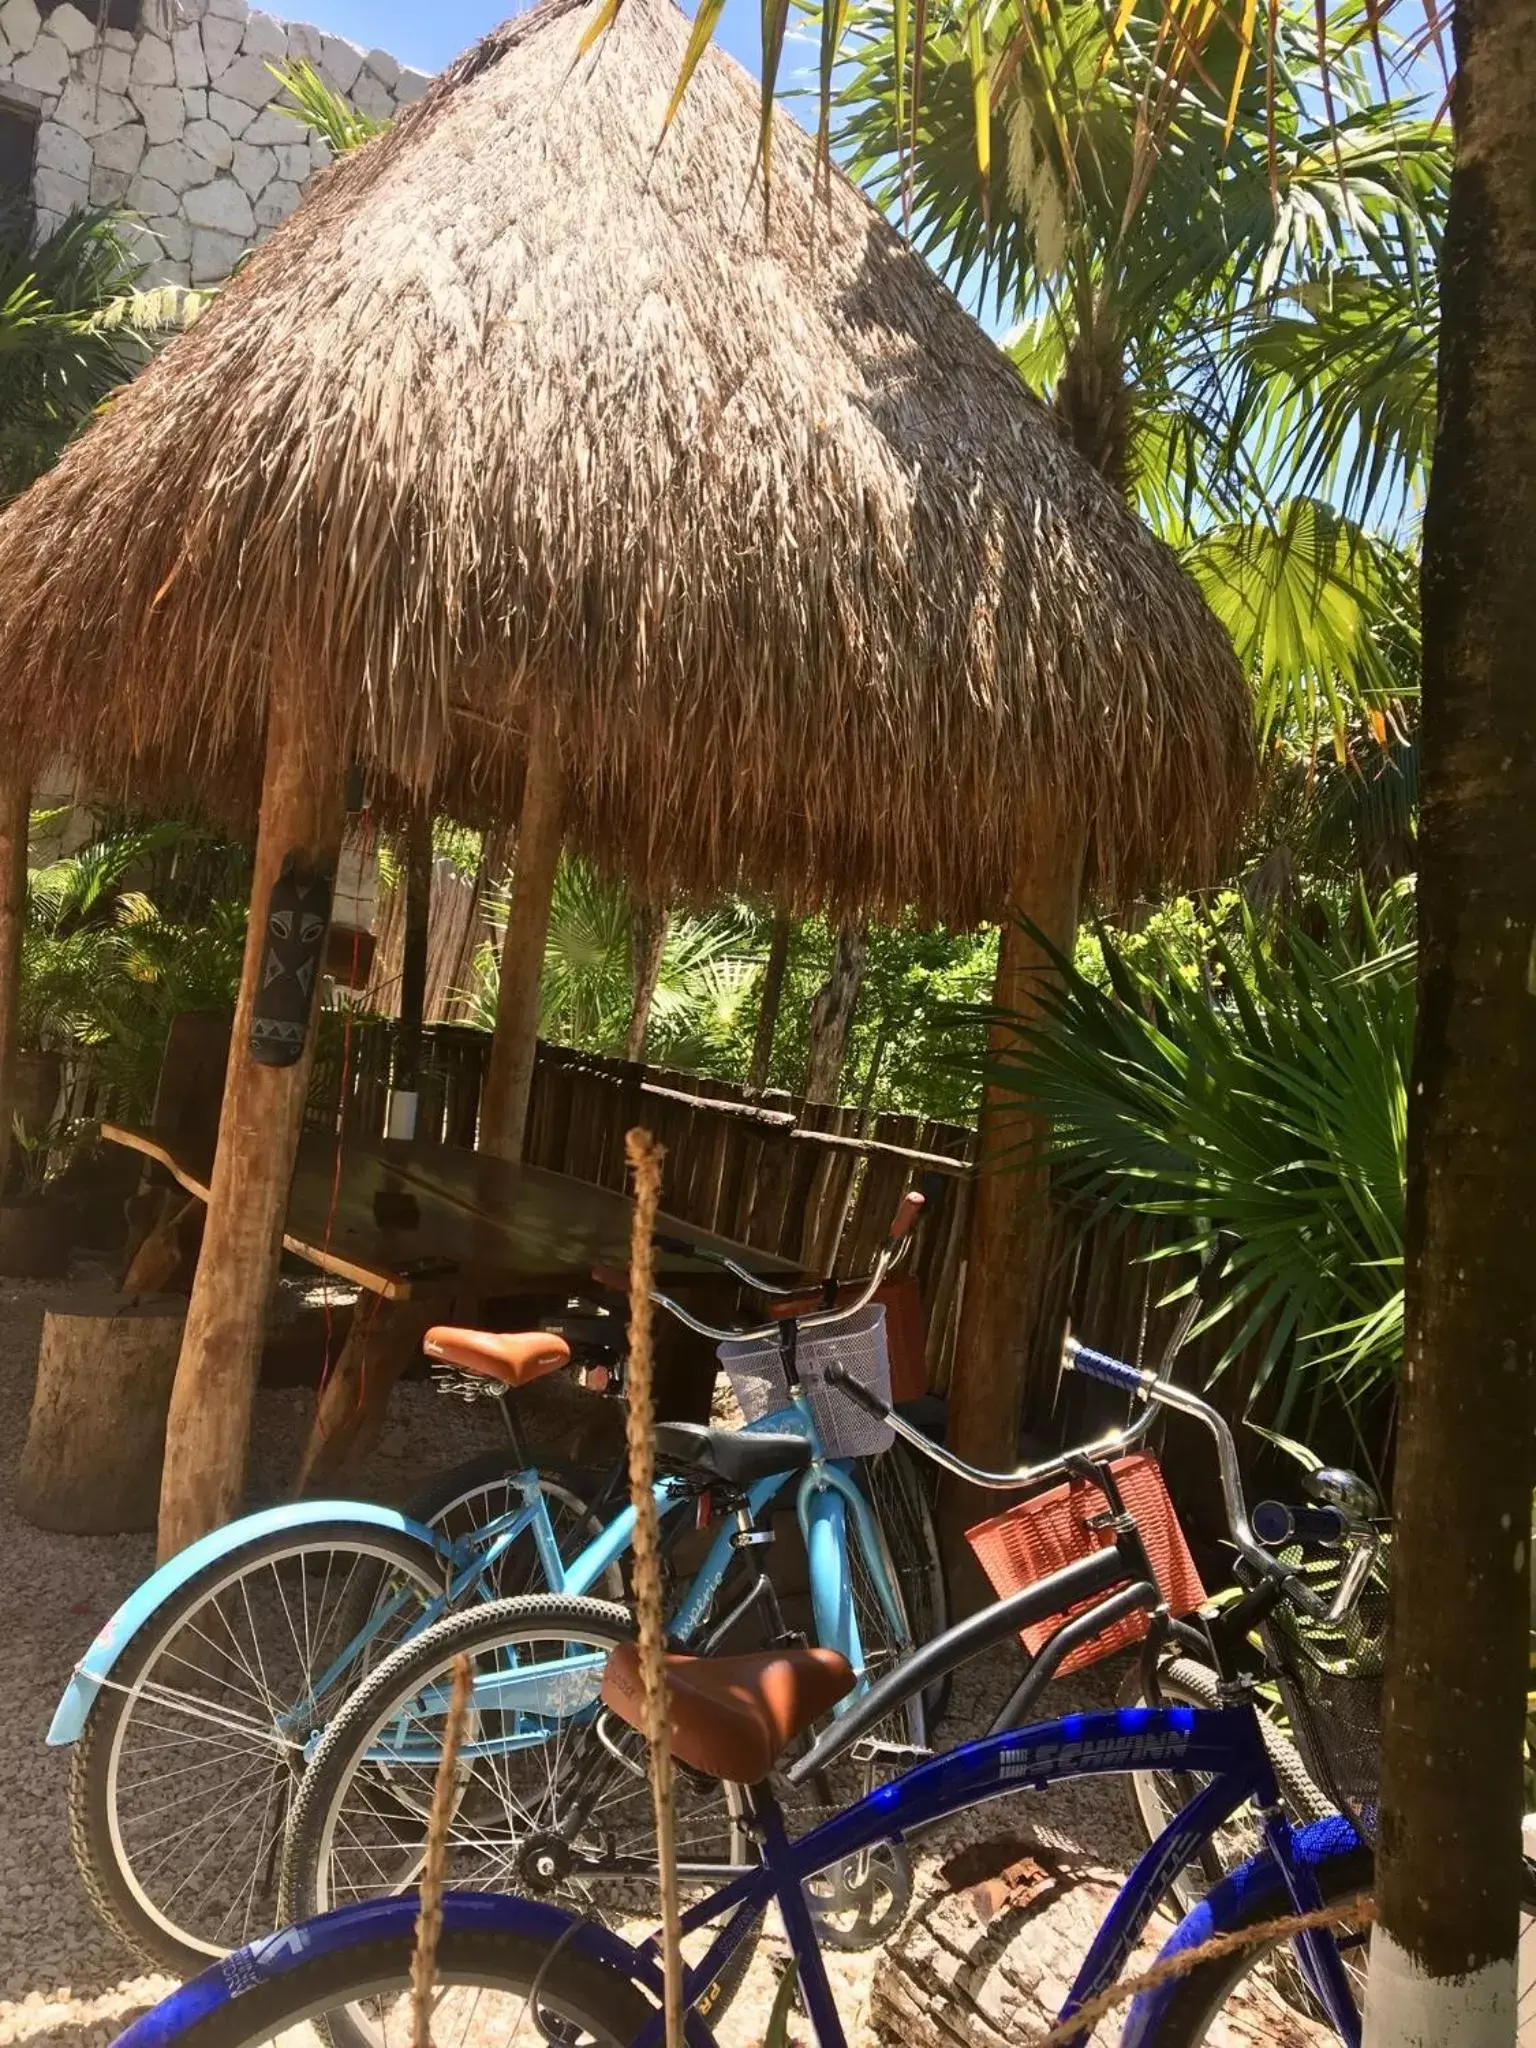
96, 1438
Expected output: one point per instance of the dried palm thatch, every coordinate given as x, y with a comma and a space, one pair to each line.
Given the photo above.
518, 405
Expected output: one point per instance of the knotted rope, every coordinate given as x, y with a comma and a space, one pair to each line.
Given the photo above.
645, 1156
429, 1919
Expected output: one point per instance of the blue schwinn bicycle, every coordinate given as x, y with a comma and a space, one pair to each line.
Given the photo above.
195, 1709
521, 1969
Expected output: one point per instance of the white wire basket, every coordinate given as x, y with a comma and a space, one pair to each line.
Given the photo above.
755, 1369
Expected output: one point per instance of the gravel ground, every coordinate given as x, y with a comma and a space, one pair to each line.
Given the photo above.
66, 1983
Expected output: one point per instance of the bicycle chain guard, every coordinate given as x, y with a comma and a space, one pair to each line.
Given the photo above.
861, 1901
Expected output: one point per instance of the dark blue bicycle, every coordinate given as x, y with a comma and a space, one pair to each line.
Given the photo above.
520, 1969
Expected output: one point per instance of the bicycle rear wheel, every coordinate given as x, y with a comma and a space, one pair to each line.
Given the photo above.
479, 1491
491, 1988
896, 1491
180, 1786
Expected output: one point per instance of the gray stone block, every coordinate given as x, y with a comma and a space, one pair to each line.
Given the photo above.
122, 150
383, 67
59, 193
412, 85
150, 197
45, 66
220, 42
265, 36
272, 128
213, 144
72, 28
109, 187
276, 203
162, 109
176, 165
60, 149
20, 23
110, 70
248, 79
340, 62
255, 168
222, 205
174, 237
214, 255
187, 52
153, 63
233, 115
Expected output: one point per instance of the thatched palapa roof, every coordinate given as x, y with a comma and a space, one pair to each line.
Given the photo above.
516, 404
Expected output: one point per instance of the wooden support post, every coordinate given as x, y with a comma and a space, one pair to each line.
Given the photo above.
768, 1005
514, 1043
648, 941
210, 1419
413, 951
15, 817
384, 1339
1009, 1218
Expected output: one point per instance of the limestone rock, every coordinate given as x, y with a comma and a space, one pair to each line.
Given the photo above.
118, 39
173, 236
276, 203
234, 116
109, 187
273, 128
72, 28
122, 150
195, 104
149, 196
220, 205
86, 109
304, 42
255, 168
153, 63
383, 67
220, 41
266, 37
213, 144
293, 162
248, 79
340, 62
214, 255
163, 111
20, 22
44, 67
187, 53
371, 98
176, 165
59, 149
227, 10
112, 71
411, 86
57, 192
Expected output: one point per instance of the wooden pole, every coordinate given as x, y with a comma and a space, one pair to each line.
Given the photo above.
210, 1418
413, 951
15, 817
768, 1005
1009, 1221
648, 941
514, 1043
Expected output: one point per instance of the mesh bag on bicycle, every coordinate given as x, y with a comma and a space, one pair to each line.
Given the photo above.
756, 1369
1335, 1670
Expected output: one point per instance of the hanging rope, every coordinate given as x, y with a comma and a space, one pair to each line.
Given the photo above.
429, 1920
645, 1156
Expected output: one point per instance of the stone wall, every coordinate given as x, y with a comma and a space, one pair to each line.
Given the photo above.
174, 118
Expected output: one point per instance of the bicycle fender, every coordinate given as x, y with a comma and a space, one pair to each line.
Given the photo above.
1220, 1909
274, 1955
74, 1709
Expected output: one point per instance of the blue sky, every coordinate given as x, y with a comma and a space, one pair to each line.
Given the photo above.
428, 36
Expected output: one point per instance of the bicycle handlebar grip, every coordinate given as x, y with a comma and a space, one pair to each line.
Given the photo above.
1274, 1523
912, 1206
1098, 1365
839, 1376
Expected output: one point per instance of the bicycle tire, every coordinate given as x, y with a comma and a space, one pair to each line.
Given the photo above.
467, 1494
575, 1991
322, 1817
99, 1827
1183, 1682
1180, 2013
894, 1487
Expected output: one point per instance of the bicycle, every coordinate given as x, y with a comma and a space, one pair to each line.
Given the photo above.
193, 1712
573, 1981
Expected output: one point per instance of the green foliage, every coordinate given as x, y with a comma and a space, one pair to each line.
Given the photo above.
1256, 1090
73, 326
105, 966
707, 970
324, 111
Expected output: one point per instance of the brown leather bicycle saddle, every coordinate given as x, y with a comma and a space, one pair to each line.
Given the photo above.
733, 1717
515, 1357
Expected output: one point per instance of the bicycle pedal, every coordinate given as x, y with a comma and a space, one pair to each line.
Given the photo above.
872, 1754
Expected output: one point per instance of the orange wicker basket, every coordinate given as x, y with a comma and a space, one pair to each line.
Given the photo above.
1052, 1529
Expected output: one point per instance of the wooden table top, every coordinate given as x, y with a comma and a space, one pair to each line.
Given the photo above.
409, 1217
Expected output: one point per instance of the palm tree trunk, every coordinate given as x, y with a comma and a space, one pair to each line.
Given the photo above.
514, 1042
768, 1005
832, 1014
1444, 1955
15, 819
648, 941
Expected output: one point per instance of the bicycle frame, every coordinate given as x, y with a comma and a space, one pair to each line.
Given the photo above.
1224, 1744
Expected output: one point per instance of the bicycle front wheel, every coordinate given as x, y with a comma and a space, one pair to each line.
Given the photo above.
490, 1987
471, 1496
895, 1490
181, 1784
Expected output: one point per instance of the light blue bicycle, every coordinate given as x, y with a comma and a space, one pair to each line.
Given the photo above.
196, 1709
